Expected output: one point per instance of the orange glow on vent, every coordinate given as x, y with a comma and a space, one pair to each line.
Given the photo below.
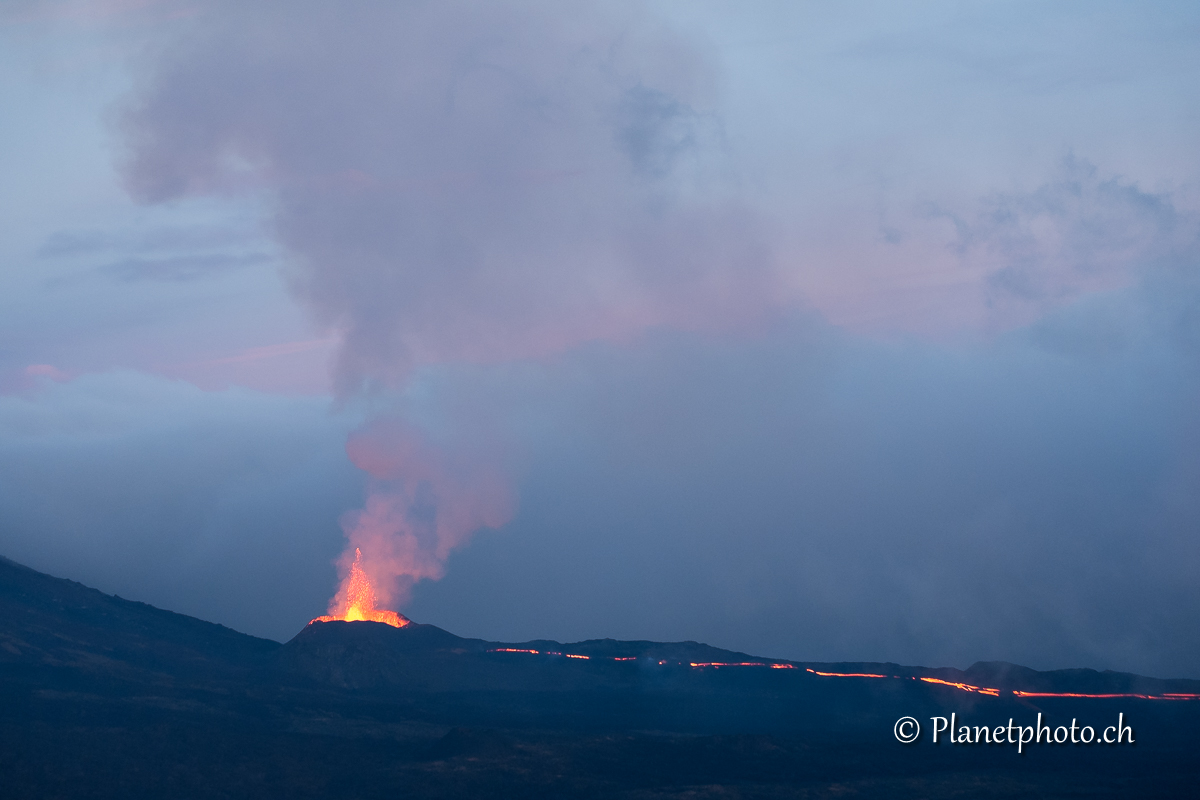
359, 602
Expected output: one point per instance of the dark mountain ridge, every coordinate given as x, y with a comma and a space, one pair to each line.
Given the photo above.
58, 622
373, 654
106, 697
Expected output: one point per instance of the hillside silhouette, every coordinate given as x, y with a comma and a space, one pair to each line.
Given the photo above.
105, 697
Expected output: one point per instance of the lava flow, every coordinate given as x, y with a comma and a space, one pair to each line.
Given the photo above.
966, 687
360, 601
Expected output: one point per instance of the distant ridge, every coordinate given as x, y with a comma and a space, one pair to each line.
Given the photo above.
56, 621
109, 699
373, 655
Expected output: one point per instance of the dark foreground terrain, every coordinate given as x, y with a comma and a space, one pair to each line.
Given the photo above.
105, 698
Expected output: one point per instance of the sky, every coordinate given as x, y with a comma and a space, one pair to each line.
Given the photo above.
816, 331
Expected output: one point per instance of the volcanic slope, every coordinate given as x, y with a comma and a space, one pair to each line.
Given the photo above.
105, 697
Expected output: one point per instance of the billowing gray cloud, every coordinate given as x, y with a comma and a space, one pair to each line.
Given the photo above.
464, 181
472, 182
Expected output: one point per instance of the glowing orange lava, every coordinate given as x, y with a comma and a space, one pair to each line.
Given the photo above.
360, 601
1168, 696
695, 664
846, 674
966, 687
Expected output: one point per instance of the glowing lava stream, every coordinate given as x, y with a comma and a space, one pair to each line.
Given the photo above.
692, 664
360, 601
966, 687
696, 665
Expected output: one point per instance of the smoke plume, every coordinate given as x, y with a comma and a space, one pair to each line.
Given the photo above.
458, 182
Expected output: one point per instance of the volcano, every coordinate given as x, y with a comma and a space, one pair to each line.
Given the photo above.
357, 603
105, 697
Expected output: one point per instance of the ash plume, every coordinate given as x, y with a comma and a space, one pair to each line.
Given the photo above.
458, 182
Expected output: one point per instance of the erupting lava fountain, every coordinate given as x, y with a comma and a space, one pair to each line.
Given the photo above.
360, 600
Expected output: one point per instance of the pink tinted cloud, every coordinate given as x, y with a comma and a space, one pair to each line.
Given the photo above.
299, 367
21, 380
47, 371
424, 503
253, 354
